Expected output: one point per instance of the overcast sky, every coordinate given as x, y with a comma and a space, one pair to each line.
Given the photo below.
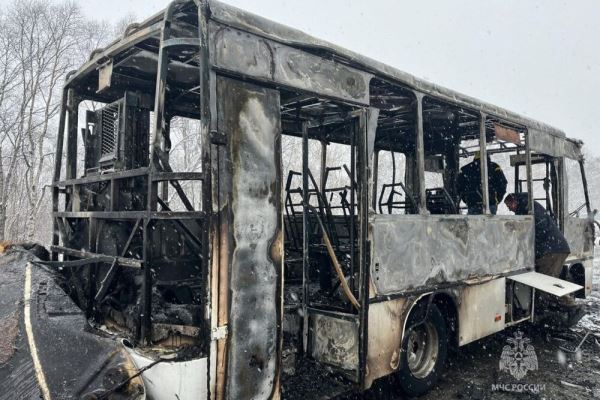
537, 58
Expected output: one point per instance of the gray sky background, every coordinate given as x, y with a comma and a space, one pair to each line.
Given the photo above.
537, 58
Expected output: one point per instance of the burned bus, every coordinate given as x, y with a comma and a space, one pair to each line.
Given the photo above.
322, 223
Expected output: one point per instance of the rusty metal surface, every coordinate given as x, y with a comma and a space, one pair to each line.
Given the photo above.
385, 336
334, 341
248, 54
250, 117
412, 251
477, 310
507, 134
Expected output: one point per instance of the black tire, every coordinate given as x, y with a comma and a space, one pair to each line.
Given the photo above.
421, 374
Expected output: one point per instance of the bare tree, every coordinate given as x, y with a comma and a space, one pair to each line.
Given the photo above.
9, 143
40, 42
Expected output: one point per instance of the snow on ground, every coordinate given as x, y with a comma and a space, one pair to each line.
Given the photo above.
591, 321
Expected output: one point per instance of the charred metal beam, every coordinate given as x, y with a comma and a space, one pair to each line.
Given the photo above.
323, 177
57, 168
353, 133
145, 321
71, 162
420, 156
61, 135
132, 215
132, 173
71, 263
208, 106
186, 202
158, 155
483, 164
306, 238
585, 187
177, 176
529, 172
126, 262
363, 210
181, 42
375, 178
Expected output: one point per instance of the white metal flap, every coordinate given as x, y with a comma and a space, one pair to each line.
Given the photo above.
546, 283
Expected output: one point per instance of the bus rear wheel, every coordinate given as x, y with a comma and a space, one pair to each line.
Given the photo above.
424, 350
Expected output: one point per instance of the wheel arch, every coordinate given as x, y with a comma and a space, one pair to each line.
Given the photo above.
439, 308
448, 306
447, 303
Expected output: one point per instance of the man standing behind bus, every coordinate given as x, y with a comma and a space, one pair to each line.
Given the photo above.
551, 250
469, 185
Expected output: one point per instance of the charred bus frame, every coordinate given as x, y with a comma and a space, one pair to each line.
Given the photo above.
248, 81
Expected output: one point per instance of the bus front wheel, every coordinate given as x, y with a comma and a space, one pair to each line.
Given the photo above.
424, 350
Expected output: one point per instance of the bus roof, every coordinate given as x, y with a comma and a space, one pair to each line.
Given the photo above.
246, 21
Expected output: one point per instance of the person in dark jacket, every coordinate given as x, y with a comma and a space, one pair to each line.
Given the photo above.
551, 247
469, 185
551, 250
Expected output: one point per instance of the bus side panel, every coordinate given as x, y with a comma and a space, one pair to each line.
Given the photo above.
588, 266
481, 310
334, 341
250, 118
386, 321
542, 142
244, 53
411, 252
579, 232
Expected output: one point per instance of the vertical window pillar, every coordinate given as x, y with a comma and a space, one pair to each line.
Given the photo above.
323, 165
529, 173
420, 156
306, 237
485, 193
72, 125
375, 175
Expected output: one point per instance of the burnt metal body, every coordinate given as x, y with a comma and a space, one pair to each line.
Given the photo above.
214, 272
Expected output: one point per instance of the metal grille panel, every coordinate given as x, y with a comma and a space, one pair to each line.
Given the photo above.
109, 129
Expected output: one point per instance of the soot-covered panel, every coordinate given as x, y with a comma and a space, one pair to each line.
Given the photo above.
411, 252
250, 118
